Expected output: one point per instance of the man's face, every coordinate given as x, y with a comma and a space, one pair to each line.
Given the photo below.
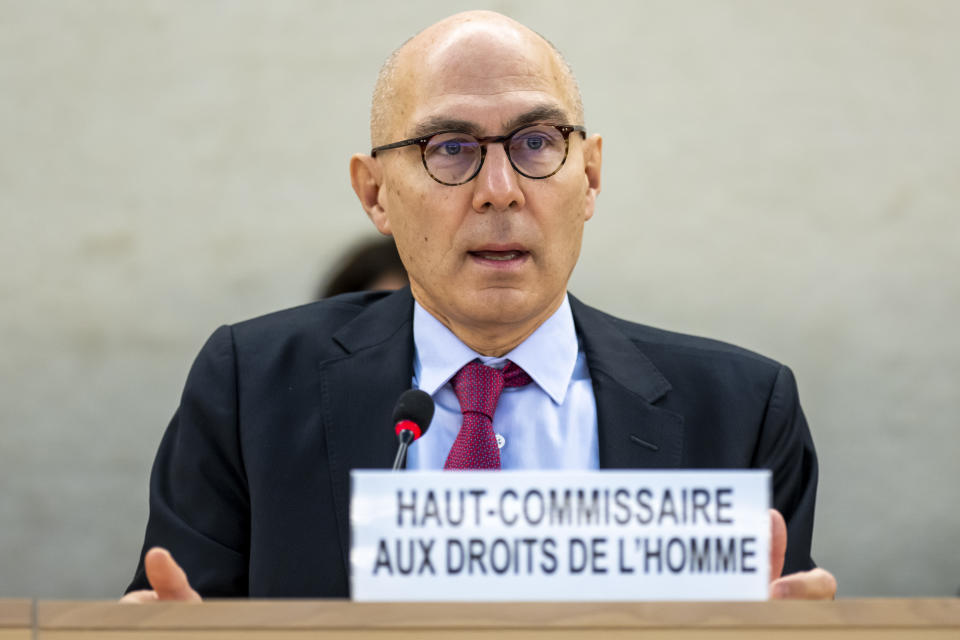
497, 251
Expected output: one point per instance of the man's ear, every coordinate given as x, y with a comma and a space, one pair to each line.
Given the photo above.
592, 162
366, 176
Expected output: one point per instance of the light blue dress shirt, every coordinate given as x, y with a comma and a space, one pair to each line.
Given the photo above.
550, 423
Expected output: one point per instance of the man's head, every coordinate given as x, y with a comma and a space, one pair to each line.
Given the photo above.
383, 112
489, 258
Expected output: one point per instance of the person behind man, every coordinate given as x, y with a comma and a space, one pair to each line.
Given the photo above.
483, 173
372, 265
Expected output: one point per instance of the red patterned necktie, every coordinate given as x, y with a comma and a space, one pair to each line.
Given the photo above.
478, 389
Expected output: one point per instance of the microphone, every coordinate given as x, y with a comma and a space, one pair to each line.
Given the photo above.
411, 417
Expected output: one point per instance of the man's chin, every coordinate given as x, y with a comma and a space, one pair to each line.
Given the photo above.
490, 307
506, 306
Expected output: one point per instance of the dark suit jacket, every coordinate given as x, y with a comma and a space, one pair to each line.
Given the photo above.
250, 487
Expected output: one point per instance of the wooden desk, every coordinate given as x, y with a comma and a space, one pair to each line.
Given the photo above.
297, 619
16, 619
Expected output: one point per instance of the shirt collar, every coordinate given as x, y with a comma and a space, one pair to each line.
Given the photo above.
548, 355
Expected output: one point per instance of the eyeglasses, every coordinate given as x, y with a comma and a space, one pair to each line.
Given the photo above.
453, 157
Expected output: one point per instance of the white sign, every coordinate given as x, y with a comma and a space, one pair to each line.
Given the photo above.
540, 536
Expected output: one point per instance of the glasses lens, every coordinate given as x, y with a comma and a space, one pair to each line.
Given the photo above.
452, 158
538, 151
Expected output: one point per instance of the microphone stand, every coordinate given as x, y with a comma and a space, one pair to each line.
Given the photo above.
406, 437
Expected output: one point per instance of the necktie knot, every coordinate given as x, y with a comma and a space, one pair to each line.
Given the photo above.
514, 376
478, 386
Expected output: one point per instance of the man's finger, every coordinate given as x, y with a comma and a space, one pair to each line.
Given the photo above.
778, 544
139, 597
816, 584
167, 578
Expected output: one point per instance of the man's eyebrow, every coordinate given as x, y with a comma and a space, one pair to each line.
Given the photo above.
544, 113
440, 123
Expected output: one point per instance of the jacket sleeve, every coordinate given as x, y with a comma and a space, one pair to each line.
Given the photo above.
786, 448
199, 498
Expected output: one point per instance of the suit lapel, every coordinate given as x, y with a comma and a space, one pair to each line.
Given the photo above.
634, 433
359, 390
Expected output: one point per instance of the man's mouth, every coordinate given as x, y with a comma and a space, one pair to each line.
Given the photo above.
499, 256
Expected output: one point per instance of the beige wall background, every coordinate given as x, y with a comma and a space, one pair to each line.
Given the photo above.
782, 175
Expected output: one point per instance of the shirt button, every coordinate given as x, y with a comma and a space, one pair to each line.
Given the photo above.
500, 441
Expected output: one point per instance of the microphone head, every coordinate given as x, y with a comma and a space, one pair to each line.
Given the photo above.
413, 411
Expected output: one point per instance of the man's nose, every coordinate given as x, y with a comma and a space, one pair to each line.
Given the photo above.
498, 185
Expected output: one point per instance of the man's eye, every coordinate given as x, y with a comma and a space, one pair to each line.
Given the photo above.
535, 143
448, 146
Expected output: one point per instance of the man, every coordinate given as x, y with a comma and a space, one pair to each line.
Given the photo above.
483, 174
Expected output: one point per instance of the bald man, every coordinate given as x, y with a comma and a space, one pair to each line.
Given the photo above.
484, 174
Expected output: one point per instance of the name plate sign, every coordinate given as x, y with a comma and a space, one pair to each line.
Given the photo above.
566, 536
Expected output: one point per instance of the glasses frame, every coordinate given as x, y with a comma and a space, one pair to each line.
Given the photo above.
564, 129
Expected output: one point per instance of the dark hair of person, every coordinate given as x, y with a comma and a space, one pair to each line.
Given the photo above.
362, 266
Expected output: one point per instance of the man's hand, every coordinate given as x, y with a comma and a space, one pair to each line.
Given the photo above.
168, 580
816, 584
